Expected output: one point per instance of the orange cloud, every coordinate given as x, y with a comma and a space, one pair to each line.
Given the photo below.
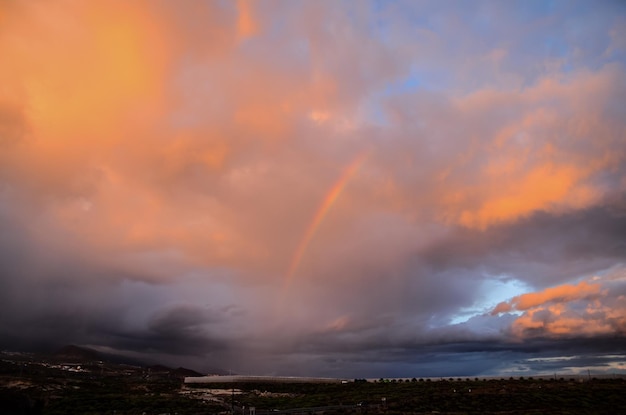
560, 320
543, 187
246, 24
562, 293
536, 158
147, 126
86, 76
583, 309
106, 61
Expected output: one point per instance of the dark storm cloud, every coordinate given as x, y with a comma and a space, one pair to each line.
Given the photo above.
159, 341
50, 299
543, 249
161, 166
472, 358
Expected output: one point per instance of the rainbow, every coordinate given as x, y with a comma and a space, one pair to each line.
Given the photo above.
331, 196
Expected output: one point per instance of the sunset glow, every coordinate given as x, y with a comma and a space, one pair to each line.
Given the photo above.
351, 189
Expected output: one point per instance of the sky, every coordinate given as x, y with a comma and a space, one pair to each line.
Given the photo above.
317, 188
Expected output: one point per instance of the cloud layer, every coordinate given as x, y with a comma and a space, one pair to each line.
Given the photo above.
315, 187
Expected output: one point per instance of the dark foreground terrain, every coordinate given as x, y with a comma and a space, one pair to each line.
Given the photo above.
34, 385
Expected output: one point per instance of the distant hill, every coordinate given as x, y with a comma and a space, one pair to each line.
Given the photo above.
182, 372
84, 355
79, 354
76, 354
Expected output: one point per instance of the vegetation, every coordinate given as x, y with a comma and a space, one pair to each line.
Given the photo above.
29, 387
41, 388
458, 396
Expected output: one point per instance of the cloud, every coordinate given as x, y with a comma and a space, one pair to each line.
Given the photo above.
246, 24
562, 294
494, 165
585, 309
162, 168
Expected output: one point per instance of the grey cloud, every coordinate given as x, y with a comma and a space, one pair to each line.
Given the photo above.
198, 278
543, 249
181, 318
